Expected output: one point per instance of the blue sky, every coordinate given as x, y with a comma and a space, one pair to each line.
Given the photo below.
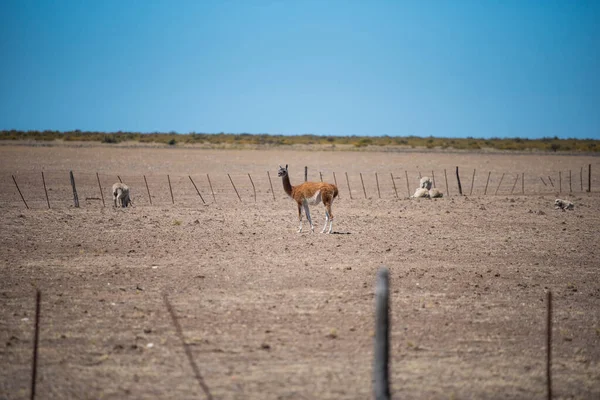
441, 68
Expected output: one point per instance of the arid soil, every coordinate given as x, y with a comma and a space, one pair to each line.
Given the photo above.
269, 313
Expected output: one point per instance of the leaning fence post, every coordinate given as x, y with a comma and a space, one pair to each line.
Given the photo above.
234, 188
581, 177
377, 180
75, 197
148, 190
271, 184
170, 189
514, 184
305, 173
253, 187
498, 188
523, 182
118, 177
570, 180
487, 182
36, 340
394, 184
549, 345
446, 179
550, 179
321, 175
433, 177
99, 186
472, 182
348, 182
211, 188
363, 184
459, 185
46, 191
407, 184
19, 190
197, 191
382, 336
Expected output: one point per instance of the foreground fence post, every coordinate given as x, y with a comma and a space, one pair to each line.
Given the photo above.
394, 184
472, 182
99, 186
148, 189
271, 184
559, 182
570, 180
75, 197
433, 177
407, 184
36, 340
377, 180
253, 187
363, 184
446, 179
514, 184
19, 190
211, 188
305, 173
197, 191
46, 191
348, 182
487, 183
321, 176
498, 188
234, 188
382, 336
589, 177
170, 189
581, 177
549, 345
459, 185
523, 182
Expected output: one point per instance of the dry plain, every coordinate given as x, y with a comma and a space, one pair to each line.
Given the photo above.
272, 314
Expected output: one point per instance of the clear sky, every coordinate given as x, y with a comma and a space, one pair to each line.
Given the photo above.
445, 68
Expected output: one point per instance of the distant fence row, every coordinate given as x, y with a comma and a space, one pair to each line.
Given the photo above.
55, 189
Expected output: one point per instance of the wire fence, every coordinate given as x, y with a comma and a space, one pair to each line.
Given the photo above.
56, 189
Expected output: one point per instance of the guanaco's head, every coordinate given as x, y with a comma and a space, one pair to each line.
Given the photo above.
282, 171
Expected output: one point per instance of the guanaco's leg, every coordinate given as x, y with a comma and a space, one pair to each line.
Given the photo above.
300, 217
307, 212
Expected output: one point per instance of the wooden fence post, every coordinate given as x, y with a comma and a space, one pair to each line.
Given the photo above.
148, 190
271, 184
234, 188
407, 184
348, 182
523, 182
487, 183
394, 184
197, 191
253, 187
570, 180
211, 188
559, 182
335, 181
382, 336
170, 189
581, 177
472, 182
363, 184
46, 191
589, 177
36, 340
19, 190
433, 177
446, 179
100, 187
377, 180
305, 173
321, 175
75, 197
550, 179
514, 184
500, 183
459, 185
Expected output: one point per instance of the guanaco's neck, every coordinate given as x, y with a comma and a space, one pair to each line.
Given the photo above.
287, 186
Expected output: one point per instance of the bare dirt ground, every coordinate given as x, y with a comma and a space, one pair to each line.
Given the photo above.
272, 314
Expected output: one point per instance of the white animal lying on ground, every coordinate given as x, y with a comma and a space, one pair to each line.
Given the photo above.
421, 192
433, 193
563, 204
425, 183
121, 194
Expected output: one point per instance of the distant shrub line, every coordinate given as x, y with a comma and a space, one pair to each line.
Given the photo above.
172, 138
